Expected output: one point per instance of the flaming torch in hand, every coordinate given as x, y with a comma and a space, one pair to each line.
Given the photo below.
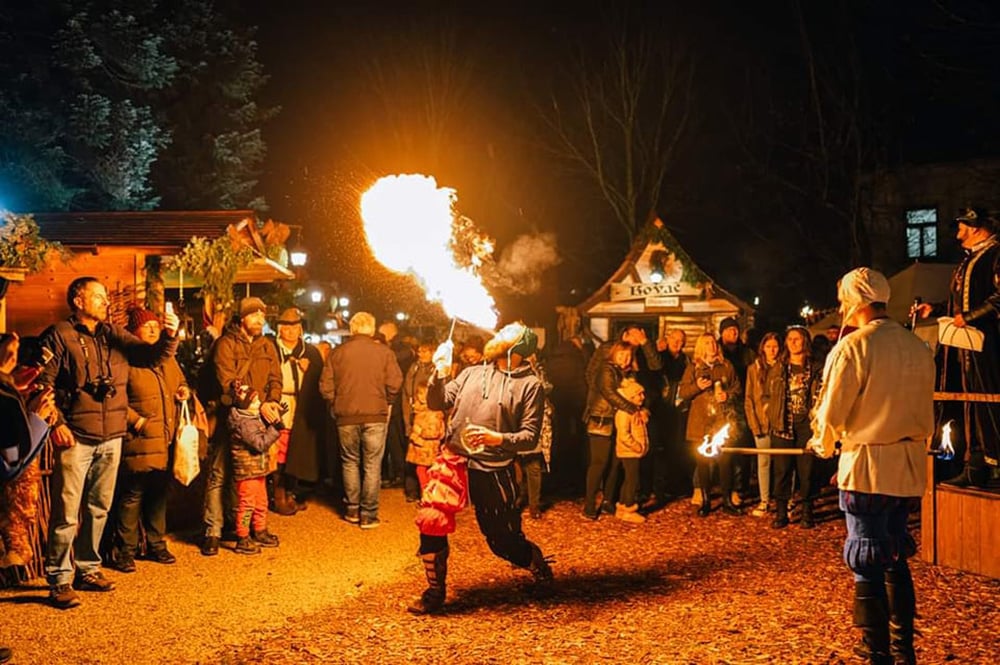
712, 446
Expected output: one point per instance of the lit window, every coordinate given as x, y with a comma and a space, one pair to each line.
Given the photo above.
921, 232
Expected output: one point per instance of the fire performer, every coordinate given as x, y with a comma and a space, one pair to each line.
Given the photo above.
877, 400
496, 410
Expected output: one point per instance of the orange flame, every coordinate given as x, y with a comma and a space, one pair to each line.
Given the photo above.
410, 223
712, 447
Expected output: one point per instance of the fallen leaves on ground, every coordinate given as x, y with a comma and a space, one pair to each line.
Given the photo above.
677, 589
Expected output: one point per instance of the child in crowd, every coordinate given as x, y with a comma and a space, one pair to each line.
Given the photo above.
425, 436
251, 439
631, 443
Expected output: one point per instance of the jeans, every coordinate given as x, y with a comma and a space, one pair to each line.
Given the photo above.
530, 491
801, 464
764, 468
361, 449
143, 496
84, 475
220, 491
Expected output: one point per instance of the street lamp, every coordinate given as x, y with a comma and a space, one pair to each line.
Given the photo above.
316, 296
344, 301
298, 255
401, 316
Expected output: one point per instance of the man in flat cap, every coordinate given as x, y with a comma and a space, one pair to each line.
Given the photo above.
242, 355
974, 302
877, 400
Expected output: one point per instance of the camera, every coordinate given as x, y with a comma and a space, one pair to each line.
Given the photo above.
100, 388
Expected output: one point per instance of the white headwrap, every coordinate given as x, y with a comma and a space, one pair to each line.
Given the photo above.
862, 286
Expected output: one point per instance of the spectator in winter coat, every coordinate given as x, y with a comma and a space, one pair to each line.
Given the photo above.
241, 356
251, 437
360, 380
89, 372
154, 393
631, 443
710, 384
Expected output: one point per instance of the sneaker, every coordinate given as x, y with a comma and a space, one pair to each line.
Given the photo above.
760, 510
353, 515
246, 546
95, 581
266, 539
160, 554
370, 522
62, 596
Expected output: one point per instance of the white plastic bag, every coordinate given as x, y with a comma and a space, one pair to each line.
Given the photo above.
186, 465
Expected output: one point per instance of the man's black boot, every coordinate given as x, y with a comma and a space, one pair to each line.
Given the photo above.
781, 514
975, 473
902, 609
871, 615
808, 521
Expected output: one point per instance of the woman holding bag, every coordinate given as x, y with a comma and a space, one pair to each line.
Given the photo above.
154, 394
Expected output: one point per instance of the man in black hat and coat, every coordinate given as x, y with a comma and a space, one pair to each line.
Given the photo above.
975, 303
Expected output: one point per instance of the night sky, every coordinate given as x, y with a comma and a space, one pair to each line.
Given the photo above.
927, 71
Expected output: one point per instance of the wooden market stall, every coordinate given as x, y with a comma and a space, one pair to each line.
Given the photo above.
120, 248
659, 287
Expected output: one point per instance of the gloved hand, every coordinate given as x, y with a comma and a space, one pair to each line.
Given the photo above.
443, 358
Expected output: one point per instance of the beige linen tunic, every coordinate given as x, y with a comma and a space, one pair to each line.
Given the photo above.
877, 399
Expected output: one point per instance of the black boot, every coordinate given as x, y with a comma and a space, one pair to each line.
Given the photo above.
974, 474
728, 506
431, 601
902, 609
807, 515
781, 514
871, 615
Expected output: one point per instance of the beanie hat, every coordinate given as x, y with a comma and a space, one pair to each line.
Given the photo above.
629, 388
290, 317
138, 317
251, 305
863, 286
243, 395
728, 322
513, 338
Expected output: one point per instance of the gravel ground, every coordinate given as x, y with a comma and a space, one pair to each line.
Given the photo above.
201, 607
675, 590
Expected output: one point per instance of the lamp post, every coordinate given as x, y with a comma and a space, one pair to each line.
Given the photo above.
298, 256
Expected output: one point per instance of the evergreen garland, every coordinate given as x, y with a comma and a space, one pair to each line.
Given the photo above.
216, 263
22, 246
658, 233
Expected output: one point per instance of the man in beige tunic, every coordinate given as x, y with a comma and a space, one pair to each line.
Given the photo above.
877, 401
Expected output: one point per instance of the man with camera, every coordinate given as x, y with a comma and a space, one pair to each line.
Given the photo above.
89, 372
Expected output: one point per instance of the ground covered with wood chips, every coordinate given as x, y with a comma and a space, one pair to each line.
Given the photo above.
677, 589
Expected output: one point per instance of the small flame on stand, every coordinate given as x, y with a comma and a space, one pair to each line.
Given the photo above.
411, 225
947, 449
712, 447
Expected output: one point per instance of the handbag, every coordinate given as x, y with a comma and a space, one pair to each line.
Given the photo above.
967, 337
186, 465
599, 426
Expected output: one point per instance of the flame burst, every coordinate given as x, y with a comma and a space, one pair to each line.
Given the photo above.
712, 447
410, 223
947, 450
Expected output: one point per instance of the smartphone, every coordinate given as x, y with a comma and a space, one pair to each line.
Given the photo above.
170, 307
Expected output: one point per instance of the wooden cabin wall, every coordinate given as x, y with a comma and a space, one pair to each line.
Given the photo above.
40, 300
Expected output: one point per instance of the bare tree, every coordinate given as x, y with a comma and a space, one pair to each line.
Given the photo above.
624, 109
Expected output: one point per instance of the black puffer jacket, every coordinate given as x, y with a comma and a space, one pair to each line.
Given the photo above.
80, 358
151, 392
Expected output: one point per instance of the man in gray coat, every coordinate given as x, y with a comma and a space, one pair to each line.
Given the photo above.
360, 380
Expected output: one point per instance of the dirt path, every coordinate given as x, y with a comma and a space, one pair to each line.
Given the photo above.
675, 590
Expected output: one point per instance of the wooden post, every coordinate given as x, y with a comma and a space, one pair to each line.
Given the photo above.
928, 513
